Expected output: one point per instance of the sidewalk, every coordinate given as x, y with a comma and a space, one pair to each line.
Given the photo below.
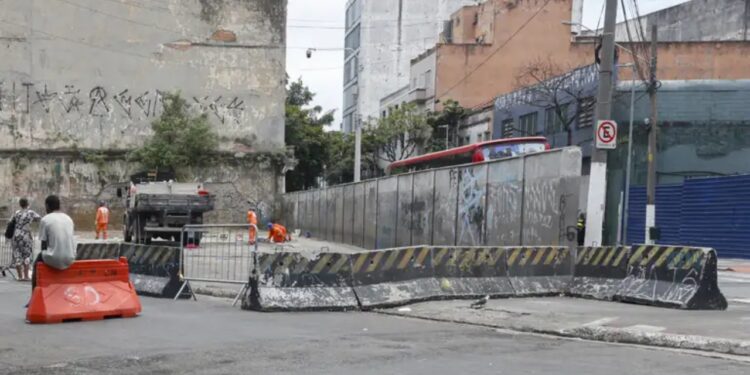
725, 332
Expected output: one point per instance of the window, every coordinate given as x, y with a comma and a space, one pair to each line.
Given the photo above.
352, 14
347, 128
507, 128
351, 69
351, 42
586, 112
487, 136
384, 114
527, 124
552, 122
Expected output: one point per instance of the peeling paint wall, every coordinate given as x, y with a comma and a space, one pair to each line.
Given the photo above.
91, 75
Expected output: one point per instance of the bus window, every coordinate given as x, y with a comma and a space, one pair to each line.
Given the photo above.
501, 151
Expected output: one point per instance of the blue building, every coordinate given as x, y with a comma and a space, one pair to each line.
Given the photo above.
704, 130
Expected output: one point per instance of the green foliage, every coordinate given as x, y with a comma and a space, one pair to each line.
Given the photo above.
450, 116
180, 140
400, 135
304, 130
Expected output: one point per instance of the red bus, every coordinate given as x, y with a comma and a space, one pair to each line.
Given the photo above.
473, 153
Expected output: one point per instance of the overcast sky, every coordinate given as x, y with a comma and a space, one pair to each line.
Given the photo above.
320, 24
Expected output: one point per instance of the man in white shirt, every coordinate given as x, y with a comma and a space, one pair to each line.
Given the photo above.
56, 231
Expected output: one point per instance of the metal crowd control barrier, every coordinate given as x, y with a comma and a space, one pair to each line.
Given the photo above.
6, 253
217, 253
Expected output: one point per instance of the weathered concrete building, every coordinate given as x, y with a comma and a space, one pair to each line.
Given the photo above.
81, 82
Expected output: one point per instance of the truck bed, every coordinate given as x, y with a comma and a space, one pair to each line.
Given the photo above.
174, 203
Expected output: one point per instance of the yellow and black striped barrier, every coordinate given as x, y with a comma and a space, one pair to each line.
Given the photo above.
540, 270
394, 277
97, 250
154, 270
468, 272
672, 276
599, 271
292, 281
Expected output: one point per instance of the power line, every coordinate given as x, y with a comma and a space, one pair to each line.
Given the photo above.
119, 17
500, 47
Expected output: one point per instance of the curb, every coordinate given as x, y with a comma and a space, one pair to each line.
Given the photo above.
615, 335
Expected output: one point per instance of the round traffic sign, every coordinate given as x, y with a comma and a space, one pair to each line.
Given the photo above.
607, 132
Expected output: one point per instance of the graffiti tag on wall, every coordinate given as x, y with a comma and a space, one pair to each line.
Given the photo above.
98, 101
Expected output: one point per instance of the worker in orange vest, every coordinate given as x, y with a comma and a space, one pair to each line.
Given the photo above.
277, 233
252, 218
102, 220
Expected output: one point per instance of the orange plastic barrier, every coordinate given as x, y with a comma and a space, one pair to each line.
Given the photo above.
88, 290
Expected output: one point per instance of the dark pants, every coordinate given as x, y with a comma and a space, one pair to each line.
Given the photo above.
39, 259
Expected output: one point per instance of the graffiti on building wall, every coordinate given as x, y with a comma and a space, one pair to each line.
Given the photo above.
98, 101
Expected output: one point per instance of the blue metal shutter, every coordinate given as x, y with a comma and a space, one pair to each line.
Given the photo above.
716, 213
668, 213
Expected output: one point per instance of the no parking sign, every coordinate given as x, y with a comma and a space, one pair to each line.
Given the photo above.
606, 135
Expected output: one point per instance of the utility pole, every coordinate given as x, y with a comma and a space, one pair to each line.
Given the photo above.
598, 177
357, 148
652, 133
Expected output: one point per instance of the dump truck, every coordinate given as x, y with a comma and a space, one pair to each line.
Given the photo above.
159, 210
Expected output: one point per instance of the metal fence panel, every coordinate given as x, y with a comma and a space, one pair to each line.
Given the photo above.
217, 253
504, 203
422, 208
371, 214
338, 232
404, 211
470, 215
446, 194
348, 217
387, 212
358, 213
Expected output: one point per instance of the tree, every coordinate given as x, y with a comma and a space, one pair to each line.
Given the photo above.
549, 86
179, 140
447, 120
304, 130
400, 135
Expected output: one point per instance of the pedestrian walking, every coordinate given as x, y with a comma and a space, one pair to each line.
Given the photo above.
102, 220
23, 242
581, 228
252, 218
56, 231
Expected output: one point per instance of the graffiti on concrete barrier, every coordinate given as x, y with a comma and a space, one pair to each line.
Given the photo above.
99, 101
470, 207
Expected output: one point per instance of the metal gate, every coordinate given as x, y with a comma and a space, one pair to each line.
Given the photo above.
220, 253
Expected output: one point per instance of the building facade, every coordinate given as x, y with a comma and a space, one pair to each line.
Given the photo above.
382, 37
80, 85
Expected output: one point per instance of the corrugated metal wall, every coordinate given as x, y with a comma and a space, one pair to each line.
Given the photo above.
710, 212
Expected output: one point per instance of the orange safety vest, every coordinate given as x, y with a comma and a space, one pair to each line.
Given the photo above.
277, 233
102, 215
252, 218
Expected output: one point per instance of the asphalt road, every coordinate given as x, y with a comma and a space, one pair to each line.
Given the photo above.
211, 337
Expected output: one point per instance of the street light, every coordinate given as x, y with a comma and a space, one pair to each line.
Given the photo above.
310, 51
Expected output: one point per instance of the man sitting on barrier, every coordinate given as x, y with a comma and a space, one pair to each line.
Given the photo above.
277, 233
58, 243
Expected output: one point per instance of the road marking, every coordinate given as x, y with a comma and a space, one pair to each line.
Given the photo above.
600, 322
740, 300
645, 328
733, 279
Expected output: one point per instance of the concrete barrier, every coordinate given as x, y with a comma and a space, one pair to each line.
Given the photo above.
472, 272
679, 277
538, 271
394, 277
291, 281
97, 250
154, 270
599, 271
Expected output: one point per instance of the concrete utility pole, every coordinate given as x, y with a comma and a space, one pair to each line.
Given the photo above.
598, 178
357, 149
652, 133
